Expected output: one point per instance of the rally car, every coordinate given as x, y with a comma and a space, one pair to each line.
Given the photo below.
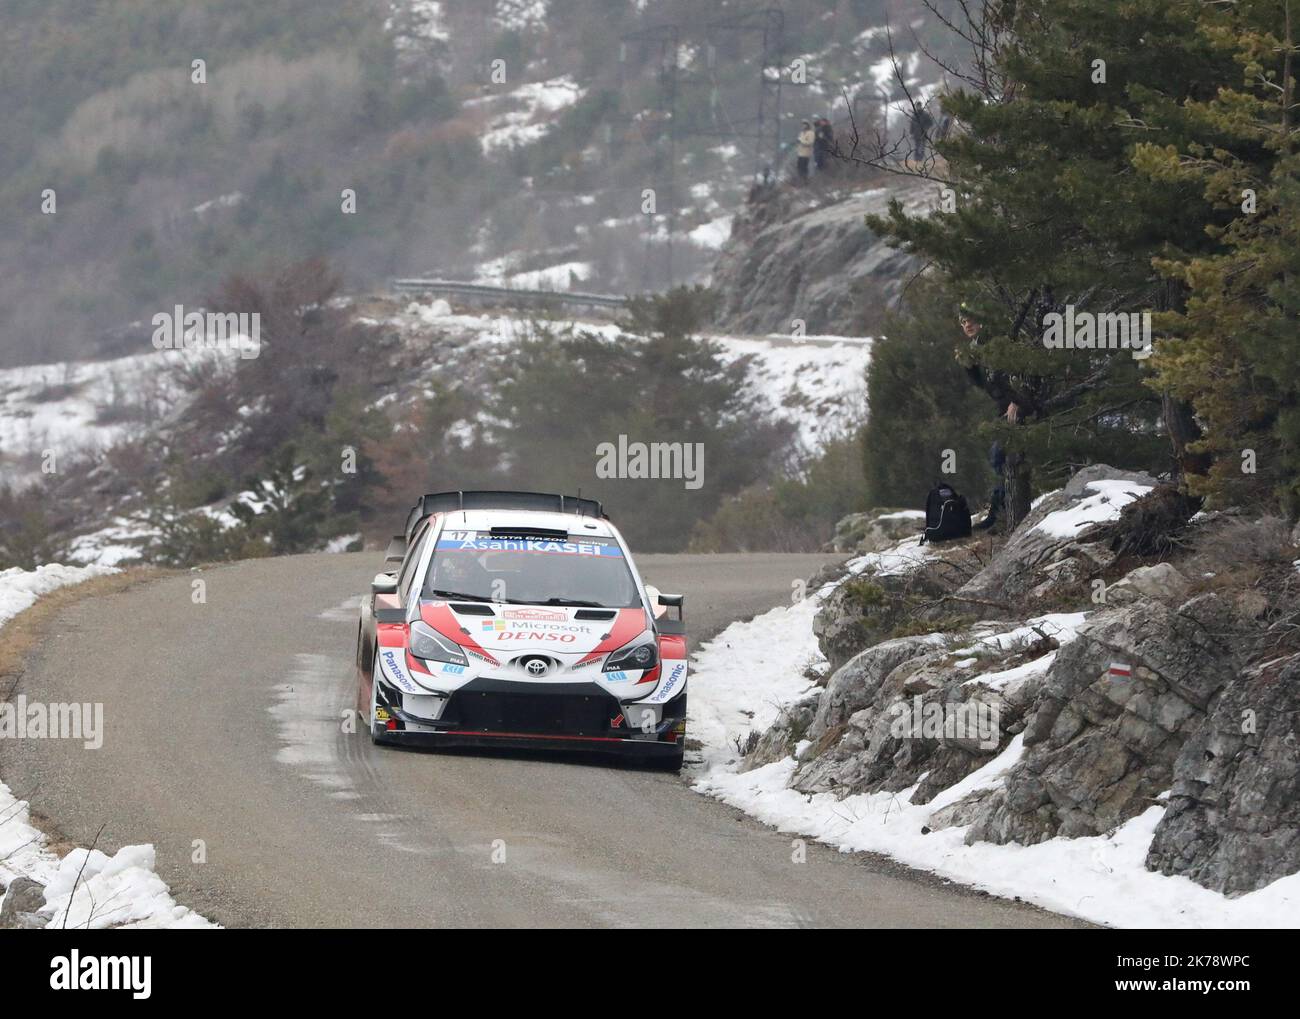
518, 619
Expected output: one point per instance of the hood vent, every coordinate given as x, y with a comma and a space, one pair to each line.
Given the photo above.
472, 609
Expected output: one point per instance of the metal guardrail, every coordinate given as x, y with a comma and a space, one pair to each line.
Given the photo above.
485, 290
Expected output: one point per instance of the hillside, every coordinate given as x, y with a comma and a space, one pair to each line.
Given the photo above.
505, 140
181, 456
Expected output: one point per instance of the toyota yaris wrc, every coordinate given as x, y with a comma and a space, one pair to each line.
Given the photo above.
518, 619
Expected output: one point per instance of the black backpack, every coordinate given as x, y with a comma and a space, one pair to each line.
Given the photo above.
947, 515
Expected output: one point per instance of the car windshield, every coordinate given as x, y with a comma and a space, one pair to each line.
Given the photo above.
481, 566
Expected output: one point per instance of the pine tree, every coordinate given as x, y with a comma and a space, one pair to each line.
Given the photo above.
1051, 213
1236, 358
913, 378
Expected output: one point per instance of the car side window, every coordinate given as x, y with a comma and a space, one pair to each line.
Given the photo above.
408, 567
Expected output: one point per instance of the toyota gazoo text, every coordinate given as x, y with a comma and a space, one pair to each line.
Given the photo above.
519, 619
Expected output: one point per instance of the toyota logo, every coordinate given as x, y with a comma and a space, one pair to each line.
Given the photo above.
537, 667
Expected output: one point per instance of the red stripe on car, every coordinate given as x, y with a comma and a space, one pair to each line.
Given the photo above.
441, 618
672, 645
629, 623
391, 634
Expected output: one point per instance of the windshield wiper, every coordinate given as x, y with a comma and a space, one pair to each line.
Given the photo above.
574, 602
458, 595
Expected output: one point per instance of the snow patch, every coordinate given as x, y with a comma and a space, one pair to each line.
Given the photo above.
87, 888
751, 671
1110, 497
536, 102
19, 588
713, 234
819, 383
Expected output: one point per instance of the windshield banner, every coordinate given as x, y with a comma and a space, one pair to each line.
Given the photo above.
458, 541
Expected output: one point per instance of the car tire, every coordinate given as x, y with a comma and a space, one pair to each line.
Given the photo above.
671, 763
377, 736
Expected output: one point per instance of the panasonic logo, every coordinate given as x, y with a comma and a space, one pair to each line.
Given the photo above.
75, 972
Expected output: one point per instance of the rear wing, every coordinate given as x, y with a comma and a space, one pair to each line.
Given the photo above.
450, 502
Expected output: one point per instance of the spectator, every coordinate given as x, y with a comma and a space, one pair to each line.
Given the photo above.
922, 122
805, 150
1003, 387
824, 144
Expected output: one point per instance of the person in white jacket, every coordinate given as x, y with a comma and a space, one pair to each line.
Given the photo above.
805, 149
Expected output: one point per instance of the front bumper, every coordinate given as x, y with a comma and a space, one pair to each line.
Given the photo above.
554, 716
519, 741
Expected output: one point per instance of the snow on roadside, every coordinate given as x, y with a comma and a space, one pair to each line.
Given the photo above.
87, 888
731, 701
20, 588
745, 676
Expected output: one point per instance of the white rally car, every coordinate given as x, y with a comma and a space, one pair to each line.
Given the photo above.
519, 619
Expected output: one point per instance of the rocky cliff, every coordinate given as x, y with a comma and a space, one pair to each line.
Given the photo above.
1108, 685
800, 253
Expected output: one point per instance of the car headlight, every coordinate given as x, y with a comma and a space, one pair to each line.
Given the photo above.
429, 644
642, 655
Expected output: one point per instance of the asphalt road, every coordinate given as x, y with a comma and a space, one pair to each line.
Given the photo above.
224, 738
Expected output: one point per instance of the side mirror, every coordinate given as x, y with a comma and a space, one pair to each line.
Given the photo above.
384, 583
674, 601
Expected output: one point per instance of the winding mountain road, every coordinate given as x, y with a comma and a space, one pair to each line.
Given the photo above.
224, 741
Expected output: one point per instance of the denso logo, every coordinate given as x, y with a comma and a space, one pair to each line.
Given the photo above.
563, 638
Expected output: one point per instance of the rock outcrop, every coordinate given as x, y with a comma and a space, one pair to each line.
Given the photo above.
875, 530
1233, 822
790, 257
22, 900
1179, 690
1118, 705
866, 608
1039, 560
